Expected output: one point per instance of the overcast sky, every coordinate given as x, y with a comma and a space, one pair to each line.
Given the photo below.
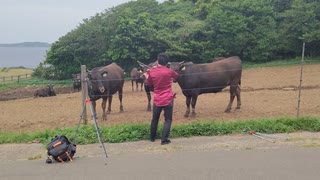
46, 20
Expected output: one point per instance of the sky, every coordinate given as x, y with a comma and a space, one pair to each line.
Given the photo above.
46, 20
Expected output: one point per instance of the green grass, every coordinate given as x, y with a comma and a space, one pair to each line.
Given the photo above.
86, 134
281, 63
35, 81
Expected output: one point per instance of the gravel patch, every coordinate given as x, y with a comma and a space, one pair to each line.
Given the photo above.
16, 152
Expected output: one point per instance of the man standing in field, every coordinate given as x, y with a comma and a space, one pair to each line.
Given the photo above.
161, 78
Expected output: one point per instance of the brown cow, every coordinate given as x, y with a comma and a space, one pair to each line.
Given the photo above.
45, 92
76, 79
136, 77
196, 79
103, 82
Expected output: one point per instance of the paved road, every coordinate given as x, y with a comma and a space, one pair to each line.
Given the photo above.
242, 157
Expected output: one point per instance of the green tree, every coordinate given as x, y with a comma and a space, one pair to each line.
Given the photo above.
300, 23
243, 28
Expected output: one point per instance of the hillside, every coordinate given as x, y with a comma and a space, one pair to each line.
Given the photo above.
26, 44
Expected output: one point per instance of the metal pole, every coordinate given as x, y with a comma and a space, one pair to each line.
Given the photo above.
97, 128
84, 90
301, 70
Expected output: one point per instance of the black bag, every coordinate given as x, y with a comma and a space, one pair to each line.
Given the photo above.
61, 149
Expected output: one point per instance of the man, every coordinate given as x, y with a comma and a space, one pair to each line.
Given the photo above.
161, 79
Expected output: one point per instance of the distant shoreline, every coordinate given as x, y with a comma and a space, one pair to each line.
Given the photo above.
27, 44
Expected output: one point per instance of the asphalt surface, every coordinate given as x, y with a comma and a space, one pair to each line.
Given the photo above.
241, 157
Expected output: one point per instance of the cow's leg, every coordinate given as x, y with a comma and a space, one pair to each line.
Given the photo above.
103, 105
233, 91
188, 100
109, 103
193, 104
141, 86
132, 85
94, 104
120, 99
148, 90
137, 86
238, 97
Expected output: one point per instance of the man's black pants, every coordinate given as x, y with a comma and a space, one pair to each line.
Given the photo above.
168, 110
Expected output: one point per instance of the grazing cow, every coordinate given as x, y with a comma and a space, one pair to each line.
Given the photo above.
45, 92
76, 78
103, 82
147, 88
136, 77
196, 79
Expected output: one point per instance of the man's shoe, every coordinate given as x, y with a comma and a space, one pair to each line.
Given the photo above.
152, 140
165, 142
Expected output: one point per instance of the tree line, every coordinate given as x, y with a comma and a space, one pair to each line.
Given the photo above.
187, 30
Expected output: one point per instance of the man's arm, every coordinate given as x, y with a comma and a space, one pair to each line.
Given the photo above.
175, 75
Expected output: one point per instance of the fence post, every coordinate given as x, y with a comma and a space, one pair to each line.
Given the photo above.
84, 92
18, 78
301, 70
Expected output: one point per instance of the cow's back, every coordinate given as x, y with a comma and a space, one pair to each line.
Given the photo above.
210, 77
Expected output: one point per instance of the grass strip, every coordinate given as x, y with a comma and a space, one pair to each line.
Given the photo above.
86, 134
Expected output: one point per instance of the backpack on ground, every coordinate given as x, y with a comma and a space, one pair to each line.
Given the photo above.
61, 149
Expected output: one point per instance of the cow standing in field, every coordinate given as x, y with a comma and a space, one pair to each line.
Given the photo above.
45, 92
147, 88
136, 77
197, 79
76, 79
103, 82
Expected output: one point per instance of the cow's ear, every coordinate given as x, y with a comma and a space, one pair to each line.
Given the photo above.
183, 68
88, 75
104, 74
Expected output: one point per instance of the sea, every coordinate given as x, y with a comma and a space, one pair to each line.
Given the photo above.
28, 57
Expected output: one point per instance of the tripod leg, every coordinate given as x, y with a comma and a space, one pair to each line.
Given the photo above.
97, 130
81, 118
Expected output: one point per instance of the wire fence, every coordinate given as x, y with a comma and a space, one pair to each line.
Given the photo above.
15, 78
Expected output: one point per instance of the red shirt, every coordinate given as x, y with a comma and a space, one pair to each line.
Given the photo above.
161, 79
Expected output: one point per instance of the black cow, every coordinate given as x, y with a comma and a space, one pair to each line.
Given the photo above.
45, 92
103, 82
136, 77
196, 79
76, 78
147, 88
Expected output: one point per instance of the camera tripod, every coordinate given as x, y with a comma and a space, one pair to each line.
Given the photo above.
93, 114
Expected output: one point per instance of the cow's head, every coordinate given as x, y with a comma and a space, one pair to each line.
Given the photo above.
76, 78
146, 67
177, 66
51, 90
140, 70
97, 80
